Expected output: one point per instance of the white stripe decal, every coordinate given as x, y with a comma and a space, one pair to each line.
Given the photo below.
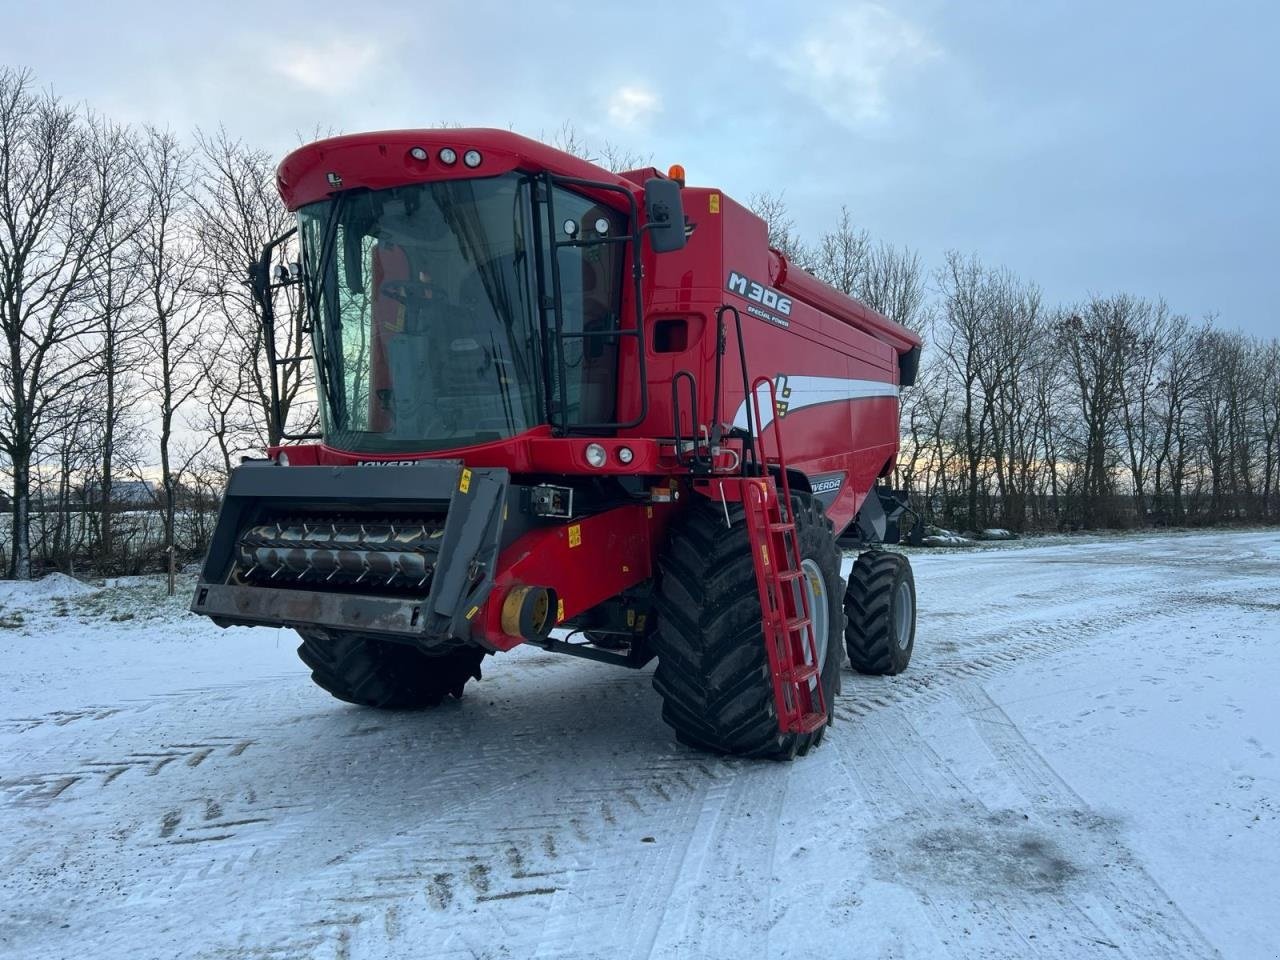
797, 392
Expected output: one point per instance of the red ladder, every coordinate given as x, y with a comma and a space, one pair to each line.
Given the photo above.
784, 601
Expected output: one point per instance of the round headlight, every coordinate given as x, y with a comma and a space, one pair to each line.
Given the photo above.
596, 455
471, 158
625, 455
418, 153
448, 156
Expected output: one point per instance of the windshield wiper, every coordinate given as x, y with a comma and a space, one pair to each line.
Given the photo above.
328, 368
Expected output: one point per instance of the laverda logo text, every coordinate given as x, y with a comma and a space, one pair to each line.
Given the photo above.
765, 296
830, 485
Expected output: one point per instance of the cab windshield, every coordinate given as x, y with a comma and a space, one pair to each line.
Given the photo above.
426, 330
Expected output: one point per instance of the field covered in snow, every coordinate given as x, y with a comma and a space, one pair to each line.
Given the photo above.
1081, 762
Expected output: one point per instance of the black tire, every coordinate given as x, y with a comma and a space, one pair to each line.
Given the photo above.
713, 670
878, 635
382, 673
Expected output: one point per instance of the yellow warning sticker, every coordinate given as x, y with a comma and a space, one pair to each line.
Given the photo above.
713, 202
648, 512
575, 535
764, 553
464, 481
559, 610
631, 618
472, 612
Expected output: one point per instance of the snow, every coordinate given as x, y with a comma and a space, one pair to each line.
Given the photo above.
1080, 762
947, 539
29, 593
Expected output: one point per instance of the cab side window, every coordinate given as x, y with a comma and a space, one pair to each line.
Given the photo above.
591, 295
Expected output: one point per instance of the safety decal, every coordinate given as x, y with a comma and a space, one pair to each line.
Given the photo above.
464, 481
575, 535
713, 203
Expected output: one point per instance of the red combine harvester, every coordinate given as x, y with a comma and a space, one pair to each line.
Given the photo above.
588, 411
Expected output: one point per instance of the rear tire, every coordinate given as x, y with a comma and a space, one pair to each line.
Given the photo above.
372, 672
713, 669
880, 606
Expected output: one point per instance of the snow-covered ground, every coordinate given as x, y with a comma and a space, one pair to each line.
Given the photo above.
1081, 762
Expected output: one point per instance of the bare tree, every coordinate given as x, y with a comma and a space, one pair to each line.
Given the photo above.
772, 209
842, 258
51, 217
1149, 333
611, 156
894, 284
237, 211
169, 264
619, 159
1096, 339
968, 304
1017, 345
116, 291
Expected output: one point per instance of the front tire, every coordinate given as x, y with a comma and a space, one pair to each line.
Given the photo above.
880, 607
372, 672
713, 669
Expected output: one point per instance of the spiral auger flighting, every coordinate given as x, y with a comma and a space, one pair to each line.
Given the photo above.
383, 553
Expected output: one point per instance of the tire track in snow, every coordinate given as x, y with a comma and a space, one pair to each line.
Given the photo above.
222, 692
1113, 603
931, 676
905, 785
722, 894
457, 861
44, 788
625, 916
994, 881
1132, 908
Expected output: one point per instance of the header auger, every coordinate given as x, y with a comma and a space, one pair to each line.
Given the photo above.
589, 411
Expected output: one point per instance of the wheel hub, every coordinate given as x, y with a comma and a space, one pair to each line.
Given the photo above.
815, 588
902, 614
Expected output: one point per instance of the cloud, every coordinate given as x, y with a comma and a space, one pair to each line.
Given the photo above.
847, 61
632, 105
335, 66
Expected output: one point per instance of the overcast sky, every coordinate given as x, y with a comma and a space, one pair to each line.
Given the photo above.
1089, 146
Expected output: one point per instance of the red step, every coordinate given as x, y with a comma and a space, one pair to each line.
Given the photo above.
807, 723
800, 674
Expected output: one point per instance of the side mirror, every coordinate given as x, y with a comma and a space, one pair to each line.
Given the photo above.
664, 212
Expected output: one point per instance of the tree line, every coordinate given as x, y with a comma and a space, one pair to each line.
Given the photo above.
134, 375
1114, 411
133, 355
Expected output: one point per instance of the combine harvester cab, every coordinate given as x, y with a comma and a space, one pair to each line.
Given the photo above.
588, 411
